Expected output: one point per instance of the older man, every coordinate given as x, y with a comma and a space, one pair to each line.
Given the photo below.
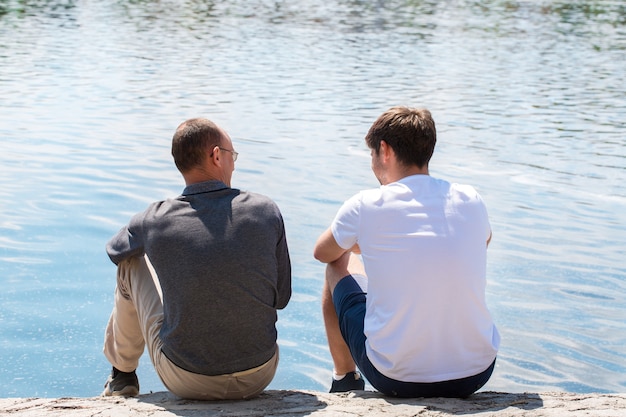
200, 278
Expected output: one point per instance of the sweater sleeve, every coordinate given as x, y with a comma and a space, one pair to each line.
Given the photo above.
128, 242
284, 270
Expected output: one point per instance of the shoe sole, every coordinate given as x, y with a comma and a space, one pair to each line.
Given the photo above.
128, 391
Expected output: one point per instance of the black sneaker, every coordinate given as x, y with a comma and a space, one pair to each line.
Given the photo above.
121, 384
351, 382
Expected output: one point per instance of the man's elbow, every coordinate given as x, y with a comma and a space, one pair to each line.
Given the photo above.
319, 255
326, 249
325, 254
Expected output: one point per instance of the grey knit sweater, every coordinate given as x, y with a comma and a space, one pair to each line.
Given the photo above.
222, 260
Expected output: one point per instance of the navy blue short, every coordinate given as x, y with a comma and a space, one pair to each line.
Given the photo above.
349, 301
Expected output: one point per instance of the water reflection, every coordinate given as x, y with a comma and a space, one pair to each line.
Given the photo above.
528, 99
25, 8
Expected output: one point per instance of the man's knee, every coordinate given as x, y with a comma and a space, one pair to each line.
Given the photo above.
128, 270
124, 269
347, 264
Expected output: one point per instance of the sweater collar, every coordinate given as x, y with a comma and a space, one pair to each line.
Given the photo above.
205, 187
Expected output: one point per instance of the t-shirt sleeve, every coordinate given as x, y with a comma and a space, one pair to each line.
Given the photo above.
485, 216
345, 226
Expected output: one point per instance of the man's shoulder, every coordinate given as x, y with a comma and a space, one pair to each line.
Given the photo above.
253, 199
453, 187
365, 197
464, 189
159, 207
255, 196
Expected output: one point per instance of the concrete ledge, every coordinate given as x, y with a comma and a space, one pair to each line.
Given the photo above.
310, 403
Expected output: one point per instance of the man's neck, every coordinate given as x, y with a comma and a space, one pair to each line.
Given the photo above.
199, 175
403, 172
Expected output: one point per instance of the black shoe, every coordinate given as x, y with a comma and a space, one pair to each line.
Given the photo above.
351, 382
121, 384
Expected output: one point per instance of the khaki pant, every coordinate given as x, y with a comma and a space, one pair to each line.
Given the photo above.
135, 323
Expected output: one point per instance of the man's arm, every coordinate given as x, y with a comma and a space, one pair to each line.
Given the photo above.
327, 249
128, 242
284, 271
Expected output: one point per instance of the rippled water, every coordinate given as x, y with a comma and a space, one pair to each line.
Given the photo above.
530, 103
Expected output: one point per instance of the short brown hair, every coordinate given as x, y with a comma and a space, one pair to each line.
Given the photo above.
191, 141
410, 132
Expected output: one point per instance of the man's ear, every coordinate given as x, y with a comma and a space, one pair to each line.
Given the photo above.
385, 150
215, 155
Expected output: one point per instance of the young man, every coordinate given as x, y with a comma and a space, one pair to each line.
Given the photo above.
412, 316
199, 280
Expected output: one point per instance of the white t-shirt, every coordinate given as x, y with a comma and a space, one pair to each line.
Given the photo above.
423, 243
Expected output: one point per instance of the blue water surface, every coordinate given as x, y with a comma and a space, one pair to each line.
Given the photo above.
529, 99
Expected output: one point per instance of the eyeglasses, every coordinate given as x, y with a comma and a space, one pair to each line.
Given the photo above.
235, 154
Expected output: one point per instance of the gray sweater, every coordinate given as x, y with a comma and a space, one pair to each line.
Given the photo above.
222, 260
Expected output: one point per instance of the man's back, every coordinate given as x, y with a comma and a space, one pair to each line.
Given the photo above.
421, 328
221, 288
423, 244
